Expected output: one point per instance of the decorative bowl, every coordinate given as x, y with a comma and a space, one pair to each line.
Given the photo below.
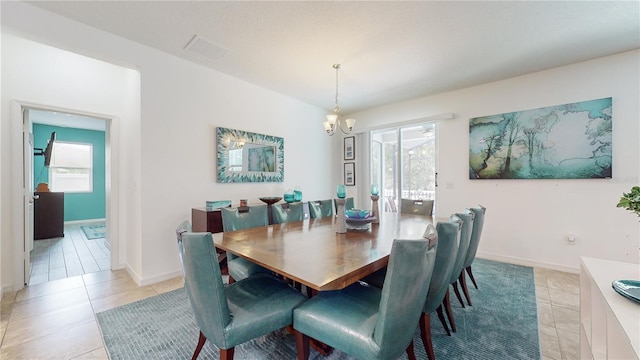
269, 200
357, 213
628, 288
360, 221
360, 224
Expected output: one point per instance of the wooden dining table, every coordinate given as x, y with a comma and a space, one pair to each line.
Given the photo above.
310, 252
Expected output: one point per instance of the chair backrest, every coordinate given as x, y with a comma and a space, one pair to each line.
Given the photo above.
320, 208
420, 207
203, 283
478, 223
431, 235
448, 242
465, 236
284, 213
391, 205
403, 293
348, 204
233, 219
184, 227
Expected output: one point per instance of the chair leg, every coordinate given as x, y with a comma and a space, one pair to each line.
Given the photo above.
442, 320
410, 353
471, 276
447, 309
463, 284
302, 344
226, 354
425, 334
201, 340
309, 292
455, 289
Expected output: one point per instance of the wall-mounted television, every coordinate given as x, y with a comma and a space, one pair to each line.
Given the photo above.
47, 151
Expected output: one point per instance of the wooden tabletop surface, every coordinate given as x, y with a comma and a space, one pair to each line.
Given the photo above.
312, 253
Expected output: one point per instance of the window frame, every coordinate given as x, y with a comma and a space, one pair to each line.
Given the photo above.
53, 168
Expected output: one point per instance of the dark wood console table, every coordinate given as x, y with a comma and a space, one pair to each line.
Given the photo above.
48, 215
203, 220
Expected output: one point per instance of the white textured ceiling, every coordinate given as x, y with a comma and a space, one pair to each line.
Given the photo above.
389, 51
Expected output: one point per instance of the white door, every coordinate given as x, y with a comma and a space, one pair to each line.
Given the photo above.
403, 163
27, 191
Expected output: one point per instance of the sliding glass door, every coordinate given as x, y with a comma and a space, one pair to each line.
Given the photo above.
403, 163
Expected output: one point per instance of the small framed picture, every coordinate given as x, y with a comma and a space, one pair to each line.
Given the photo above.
350, 174
349, 148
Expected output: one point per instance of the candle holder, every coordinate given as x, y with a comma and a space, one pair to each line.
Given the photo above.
375, 212
341, 219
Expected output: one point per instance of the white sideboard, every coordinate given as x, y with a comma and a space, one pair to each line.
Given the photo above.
609, 322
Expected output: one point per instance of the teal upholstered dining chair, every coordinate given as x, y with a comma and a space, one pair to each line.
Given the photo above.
367, 322
478, 223
288, 212
465, 237
448, 242
320, 208
233, 219
377, 278
229, 316
348, 204
418, 207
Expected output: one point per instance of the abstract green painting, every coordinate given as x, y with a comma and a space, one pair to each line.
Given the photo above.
570, 141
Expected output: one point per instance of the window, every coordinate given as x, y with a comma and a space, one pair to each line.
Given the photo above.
71, 168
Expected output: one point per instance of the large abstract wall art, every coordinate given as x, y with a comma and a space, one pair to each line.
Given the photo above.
570, 141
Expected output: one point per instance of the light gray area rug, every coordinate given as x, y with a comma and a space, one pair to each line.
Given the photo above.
95, 231
501, 324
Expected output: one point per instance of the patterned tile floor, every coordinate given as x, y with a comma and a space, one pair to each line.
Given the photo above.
56, 319
68, 256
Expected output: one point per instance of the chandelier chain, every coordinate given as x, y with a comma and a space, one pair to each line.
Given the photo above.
337, 108
333, 123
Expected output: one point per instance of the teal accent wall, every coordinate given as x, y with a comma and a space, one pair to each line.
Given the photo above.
77, 206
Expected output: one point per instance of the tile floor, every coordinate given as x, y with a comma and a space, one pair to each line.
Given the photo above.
56, 320
558, 298
68, 256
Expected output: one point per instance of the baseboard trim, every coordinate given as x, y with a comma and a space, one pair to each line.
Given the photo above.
527, 262
86, 221
152, 280
5, 289
134, 276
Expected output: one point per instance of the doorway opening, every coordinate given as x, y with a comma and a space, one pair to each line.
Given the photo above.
69, 196
403, 163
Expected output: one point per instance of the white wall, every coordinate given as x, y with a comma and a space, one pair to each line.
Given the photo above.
164, 156
178, 143
527, 220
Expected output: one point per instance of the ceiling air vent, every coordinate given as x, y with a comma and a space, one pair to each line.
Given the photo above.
206, 48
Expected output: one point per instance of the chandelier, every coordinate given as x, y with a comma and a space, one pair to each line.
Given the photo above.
333, 122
